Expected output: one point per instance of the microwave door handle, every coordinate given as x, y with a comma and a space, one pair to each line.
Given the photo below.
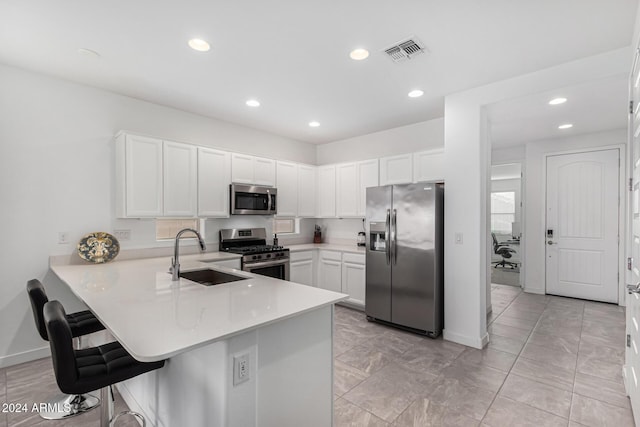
387, 231
268, 202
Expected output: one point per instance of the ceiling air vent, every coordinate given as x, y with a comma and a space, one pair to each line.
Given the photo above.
405, 49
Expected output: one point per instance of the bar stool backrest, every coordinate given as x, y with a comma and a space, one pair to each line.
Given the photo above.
38, 298
61, 341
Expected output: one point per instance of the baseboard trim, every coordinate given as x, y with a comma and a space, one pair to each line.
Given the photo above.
537, 291
475, 342
25, 356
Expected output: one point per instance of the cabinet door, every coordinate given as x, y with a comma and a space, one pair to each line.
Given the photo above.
287, 184
306, 191
367, 177
347, 190
214, 177
302, 272
353, 282
428, 166
330, 275
396, 169
264, 171
143, 177
326, 194
242, 168
180, 179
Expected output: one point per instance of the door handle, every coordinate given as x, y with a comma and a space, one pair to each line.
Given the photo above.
551, 242
394, 236
634, 289
387, 243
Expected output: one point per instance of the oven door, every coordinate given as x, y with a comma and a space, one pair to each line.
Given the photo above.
278, 269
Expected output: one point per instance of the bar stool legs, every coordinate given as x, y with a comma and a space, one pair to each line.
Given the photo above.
106, 410
63, 406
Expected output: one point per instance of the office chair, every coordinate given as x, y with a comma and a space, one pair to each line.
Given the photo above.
504, 251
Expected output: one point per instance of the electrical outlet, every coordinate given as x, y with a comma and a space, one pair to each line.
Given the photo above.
241, 368
122, 235
63, 237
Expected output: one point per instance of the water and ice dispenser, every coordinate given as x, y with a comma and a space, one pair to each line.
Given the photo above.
377, 236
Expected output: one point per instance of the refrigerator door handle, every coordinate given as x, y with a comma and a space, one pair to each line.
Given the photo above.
394, 236
387, 231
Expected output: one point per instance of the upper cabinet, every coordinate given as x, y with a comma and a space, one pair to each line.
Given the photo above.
326, 192
428, 166
180, 186
214, 177
396, 169
347, 190
367, 177
247, 169
306, 191
138, 176
287, 184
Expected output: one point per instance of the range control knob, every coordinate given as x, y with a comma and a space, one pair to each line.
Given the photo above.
254, 257
268, 255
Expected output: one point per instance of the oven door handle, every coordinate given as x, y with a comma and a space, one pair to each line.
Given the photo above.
265, 264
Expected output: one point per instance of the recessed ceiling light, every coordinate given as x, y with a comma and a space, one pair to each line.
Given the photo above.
88, 52
314, 124
557, 101
359, 54
253, 103
565, 126
415, 93
199, 45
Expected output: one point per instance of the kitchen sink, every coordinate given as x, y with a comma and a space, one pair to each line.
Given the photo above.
209, 277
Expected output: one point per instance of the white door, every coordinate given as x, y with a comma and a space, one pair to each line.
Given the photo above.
582, 225
632, 356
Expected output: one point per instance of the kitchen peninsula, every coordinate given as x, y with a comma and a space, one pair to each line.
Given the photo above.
280, 331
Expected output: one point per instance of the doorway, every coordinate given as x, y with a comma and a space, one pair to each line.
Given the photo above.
506, 224
582, 225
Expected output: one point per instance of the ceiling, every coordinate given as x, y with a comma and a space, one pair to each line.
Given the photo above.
293, 56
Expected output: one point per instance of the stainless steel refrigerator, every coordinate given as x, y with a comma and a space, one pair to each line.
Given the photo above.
405, 256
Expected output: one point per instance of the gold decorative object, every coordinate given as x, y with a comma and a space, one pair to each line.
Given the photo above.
98, 247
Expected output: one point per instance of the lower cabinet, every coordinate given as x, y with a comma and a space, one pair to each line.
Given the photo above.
301, 267
343, 272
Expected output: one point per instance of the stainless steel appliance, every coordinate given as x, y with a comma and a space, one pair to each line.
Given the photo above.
253, 200
257, 256
405, 256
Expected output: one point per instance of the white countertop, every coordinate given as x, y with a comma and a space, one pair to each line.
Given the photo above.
155, 318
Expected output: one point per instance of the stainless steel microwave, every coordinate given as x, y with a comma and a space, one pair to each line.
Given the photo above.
253, 200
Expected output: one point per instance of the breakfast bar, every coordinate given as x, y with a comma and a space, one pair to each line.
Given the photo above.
256, 351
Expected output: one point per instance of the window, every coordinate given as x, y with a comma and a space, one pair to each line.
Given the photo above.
283, 226
503, 211
168, 228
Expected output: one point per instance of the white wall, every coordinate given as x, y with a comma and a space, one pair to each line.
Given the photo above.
421, 136
535, 181
56, 170
467, 157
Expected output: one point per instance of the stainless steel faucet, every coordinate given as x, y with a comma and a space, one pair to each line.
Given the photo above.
175, 261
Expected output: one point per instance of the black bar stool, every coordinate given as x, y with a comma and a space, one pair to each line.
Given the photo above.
85, 370
81, 323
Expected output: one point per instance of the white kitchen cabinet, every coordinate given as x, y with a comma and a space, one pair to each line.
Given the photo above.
306, 191
428, 166
330, 270
326, 192
353, 278
301, 267
138, 176
396, 169
347, 190
247, 169
214, 177
367, 177
287, 184
180, 179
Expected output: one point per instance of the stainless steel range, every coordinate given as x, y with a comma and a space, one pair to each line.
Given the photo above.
257, 256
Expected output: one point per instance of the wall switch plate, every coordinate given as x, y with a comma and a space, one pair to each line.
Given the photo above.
241, 368
63, 237
122, 235
458, 238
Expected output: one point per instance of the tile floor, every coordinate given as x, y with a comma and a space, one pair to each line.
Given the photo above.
552, 361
